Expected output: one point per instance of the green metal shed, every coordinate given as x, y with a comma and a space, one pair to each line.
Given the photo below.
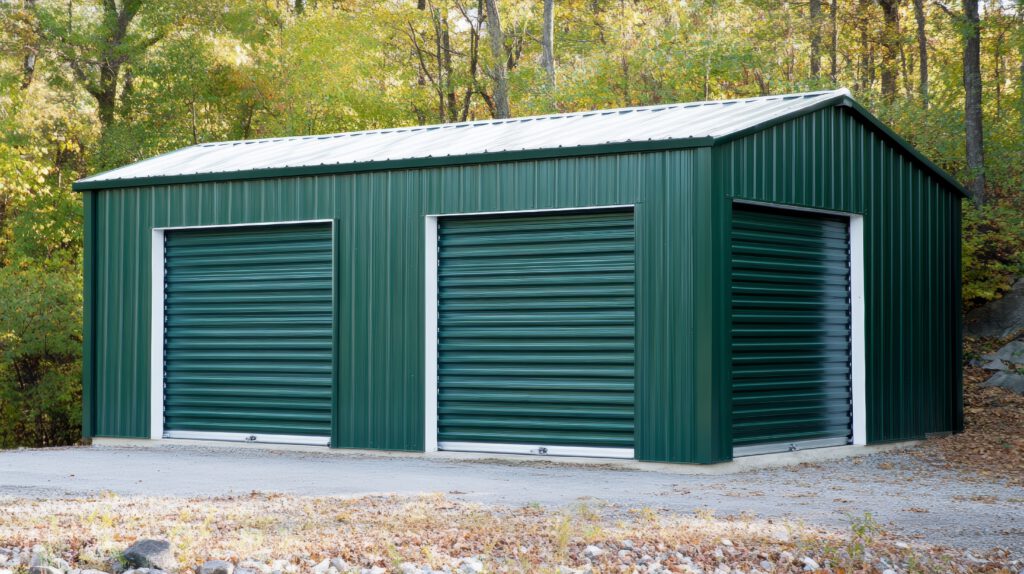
682, 283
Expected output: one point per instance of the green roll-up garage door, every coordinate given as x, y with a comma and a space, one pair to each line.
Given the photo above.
791, 330
248, 340
536, 330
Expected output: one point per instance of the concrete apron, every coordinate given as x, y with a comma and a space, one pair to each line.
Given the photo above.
741, 464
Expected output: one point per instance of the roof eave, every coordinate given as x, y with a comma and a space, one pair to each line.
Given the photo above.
841, 98
413, 163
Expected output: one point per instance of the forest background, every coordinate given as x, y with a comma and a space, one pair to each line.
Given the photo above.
88, 85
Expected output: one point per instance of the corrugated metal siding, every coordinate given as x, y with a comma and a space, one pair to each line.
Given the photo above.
791, 367
828, 160
248, 330
379, 280
536, 322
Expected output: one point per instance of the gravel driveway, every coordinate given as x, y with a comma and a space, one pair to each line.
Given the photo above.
909, 497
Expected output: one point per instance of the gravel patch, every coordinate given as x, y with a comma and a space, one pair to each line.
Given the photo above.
908, 496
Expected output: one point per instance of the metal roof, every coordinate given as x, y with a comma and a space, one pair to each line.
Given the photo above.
647, 127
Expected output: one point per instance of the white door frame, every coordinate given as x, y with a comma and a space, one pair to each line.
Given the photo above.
156, 356
430, 441
858, 351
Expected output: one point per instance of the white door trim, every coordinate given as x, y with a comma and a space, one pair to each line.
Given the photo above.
156, 338
261, 438
156, 342
554, 450
430, 249
858, 343
430, 354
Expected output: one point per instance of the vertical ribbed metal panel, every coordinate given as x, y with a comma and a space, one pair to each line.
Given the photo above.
825, 160
379, 280
791, 368
829, 160
536, 319
248, 330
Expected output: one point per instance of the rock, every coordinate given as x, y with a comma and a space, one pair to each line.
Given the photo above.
888, 571
810, 564
318, 569
593, 551
1001, 318
627, 544
246, 570
1012, 352
409, 568
767, 566
91, 571
279, 565
785, 556
151, 553
374, 570
1009, 380
217, 567
340, 564
6, 571
471, 566
144, 571
726, 542
995, 365
44, 570
256, 565
973, 559
41, 557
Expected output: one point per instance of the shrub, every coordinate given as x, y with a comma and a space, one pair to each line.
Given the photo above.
993, 251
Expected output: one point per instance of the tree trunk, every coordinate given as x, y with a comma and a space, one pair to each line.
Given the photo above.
100, 73
999, 57
106, 96
28, 65
972, 101
28, 68
499, 71
922, 52
815, 21
548, 41
833, 52
863, 19
890, 47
